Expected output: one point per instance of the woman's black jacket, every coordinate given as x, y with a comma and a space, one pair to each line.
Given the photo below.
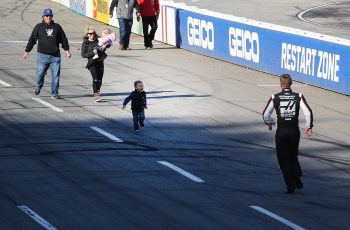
87, 51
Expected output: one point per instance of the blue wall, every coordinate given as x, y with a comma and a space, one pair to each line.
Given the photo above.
316, 62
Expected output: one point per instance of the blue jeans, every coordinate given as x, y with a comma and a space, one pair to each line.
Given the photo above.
44, 61
138, 116
124, 31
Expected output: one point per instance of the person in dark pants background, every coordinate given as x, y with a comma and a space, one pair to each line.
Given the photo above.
138, 104
125, 10
149, 12
287, 104
49, 35
95, 66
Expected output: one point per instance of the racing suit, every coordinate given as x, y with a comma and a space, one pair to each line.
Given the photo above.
287, 104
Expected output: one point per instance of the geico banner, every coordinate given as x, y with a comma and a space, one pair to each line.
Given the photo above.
313, 61
308, 60
220, 38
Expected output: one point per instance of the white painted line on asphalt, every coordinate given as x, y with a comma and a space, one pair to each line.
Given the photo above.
104, 133
36, 217
47, 104
13, 41
276, 217
131, 43
5, 84
181, 171
79, 42
300, 15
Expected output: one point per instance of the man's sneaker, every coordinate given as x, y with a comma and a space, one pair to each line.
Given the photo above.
55, 97
137, 130
37, 91
121, 47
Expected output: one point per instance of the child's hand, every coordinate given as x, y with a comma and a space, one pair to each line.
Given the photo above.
124, 106
95, 51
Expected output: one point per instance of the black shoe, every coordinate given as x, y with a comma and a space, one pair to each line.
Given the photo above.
150, 46
299, 184
290, 190
37, 91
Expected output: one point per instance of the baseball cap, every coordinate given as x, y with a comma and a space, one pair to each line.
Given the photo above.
47, 12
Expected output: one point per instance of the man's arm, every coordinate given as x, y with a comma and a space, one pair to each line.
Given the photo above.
308, 115
267, 113
114, 3
157, 7
138, 9
31, 41
65, 44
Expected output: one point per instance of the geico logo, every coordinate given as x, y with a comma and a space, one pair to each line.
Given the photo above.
244, 44
200, 33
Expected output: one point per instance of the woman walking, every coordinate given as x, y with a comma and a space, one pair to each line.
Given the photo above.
95, 66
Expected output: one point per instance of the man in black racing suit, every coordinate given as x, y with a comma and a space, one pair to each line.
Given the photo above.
287, 104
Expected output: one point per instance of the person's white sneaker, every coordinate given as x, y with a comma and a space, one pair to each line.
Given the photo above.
97, 97
55, 97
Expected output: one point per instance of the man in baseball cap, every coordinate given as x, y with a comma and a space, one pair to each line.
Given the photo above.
48, 35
